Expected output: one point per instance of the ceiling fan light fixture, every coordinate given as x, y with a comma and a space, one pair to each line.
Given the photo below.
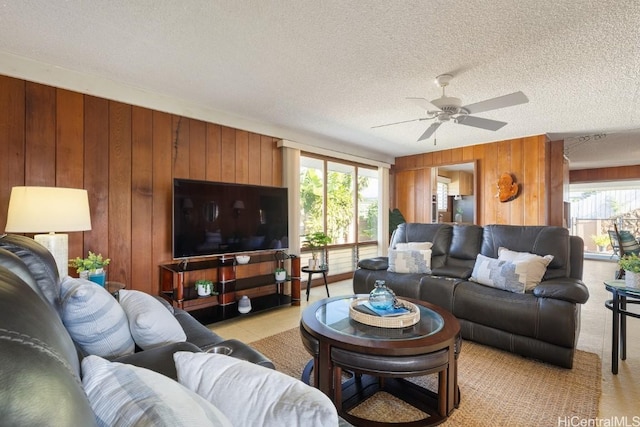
447, 102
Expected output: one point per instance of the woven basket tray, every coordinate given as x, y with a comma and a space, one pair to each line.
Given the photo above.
401, 321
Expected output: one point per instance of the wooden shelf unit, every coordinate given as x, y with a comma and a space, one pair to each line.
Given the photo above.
232, 281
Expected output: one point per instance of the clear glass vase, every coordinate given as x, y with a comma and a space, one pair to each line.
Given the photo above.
381, 297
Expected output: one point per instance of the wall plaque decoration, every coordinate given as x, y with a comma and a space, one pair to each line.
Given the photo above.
507, 188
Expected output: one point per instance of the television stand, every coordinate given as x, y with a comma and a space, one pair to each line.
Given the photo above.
232, 281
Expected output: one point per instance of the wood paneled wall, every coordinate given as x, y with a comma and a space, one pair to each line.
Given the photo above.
126, 157
535, 162
620, 173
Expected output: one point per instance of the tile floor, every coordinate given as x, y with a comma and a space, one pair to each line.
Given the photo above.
620, 393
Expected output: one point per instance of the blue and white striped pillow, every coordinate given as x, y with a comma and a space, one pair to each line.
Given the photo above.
94, 319
122, 394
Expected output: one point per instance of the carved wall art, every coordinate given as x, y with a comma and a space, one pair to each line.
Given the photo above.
507, 188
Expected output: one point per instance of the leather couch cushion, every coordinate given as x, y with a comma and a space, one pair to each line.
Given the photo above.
122, 394
40, 375
438, 234
540, 240
40, 262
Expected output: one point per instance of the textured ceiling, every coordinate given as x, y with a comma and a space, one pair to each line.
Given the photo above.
330, 70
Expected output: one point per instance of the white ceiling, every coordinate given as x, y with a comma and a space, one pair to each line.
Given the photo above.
325, 72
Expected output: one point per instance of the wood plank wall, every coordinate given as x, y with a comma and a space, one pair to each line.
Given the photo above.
126, 157
620, 173
536, 164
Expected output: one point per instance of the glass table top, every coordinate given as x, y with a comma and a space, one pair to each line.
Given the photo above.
335, 315
620, 285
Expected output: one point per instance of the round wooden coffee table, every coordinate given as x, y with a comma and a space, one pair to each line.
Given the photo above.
380, 358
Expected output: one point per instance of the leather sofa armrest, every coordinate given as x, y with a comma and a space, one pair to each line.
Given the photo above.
159, 359
567, 289
196, 332
377, 263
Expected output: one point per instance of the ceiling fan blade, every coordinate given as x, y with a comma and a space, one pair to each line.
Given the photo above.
430, 130
421, 102
479, 122
397, 123
510, 100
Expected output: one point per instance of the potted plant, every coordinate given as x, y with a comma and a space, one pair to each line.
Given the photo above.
91, 267
280, 274
204, 287
601, 241
316, 242
630, 263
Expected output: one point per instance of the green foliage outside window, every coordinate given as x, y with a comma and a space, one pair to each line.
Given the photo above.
340, 202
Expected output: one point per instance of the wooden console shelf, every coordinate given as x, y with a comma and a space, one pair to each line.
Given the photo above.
232, 281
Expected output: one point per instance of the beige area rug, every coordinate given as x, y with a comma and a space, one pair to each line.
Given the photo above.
497, 388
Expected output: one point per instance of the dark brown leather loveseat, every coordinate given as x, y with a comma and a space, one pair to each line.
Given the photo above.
543, 323
40, 376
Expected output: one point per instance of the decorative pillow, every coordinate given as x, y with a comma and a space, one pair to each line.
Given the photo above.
94, 319
414, 246
409, 261
151, 324
505, 275
628, 243
536, 264
252, 395
127, 395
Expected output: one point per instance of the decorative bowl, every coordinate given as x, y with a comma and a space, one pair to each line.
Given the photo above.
242, 259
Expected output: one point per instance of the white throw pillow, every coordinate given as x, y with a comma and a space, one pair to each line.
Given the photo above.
94, 319
151, 324
414, 246
127, 395
252, 395
500, 274
409, 261
536, 264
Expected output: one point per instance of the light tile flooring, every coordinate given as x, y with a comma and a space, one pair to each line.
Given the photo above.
620, 393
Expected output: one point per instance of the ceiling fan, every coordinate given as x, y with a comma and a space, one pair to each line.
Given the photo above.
448, 108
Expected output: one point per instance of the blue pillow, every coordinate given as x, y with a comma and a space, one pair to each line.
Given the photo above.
94, 319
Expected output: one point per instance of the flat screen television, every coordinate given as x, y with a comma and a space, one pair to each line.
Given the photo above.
216, 218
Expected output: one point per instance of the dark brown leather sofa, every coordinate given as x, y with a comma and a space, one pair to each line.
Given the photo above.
543, 324
40, 373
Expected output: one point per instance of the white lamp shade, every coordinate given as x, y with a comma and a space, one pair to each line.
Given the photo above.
48, 209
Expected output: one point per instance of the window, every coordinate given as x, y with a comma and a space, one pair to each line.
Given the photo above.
341, 199
443, 192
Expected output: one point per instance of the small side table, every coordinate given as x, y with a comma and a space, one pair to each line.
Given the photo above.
311, 271
618, 305
114, 287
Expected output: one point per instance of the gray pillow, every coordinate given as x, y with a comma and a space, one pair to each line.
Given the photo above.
94, 319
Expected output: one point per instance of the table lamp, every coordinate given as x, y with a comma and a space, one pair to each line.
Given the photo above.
49, 210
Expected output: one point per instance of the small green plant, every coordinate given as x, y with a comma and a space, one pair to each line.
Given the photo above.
207, 286
630, 262
600, 239
91, 263
316, 241
279, 270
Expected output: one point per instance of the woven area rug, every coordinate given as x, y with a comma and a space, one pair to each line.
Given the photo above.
497, 388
